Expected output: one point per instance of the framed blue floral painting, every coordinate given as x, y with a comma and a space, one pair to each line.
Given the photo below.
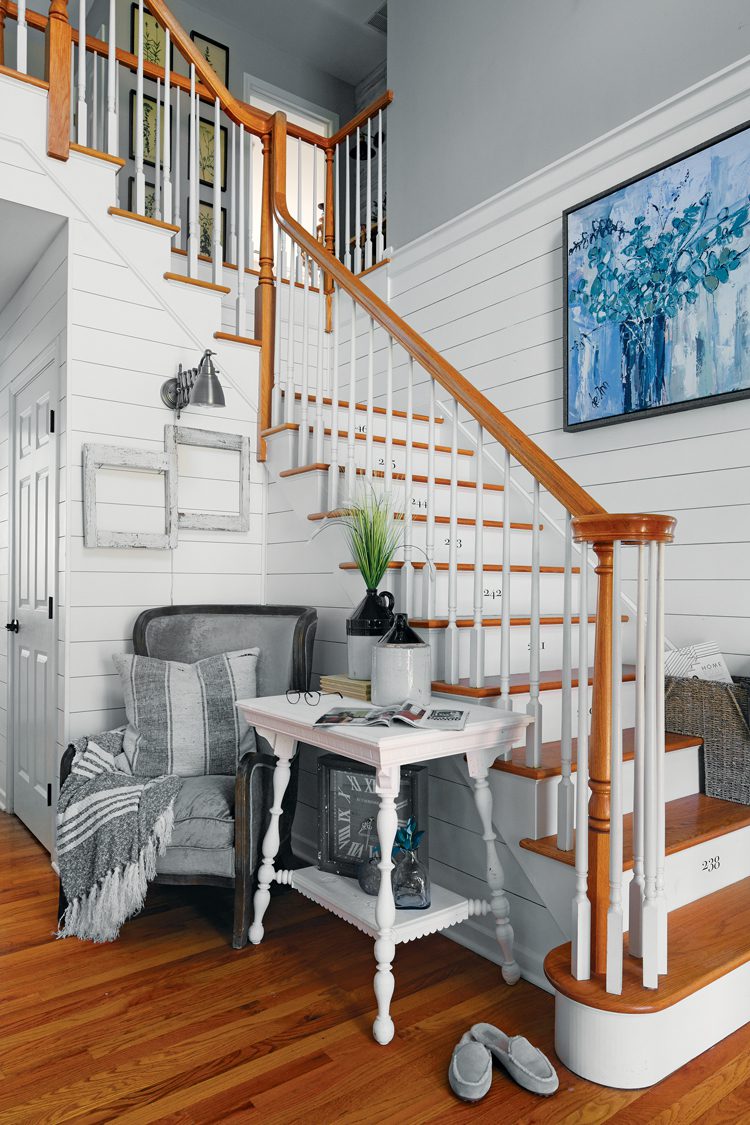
657, 289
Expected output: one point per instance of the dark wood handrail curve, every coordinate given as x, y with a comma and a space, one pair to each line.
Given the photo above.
361, 118
570, 494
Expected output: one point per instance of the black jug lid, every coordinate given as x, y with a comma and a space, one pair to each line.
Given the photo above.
401, 633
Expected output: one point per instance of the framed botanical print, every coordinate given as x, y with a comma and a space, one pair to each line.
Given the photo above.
657, 289
154, 38
215, 54
206, 133
348, 809
150, 208
206, 223
149, 127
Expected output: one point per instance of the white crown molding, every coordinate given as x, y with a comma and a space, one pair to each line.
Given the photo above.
691, 117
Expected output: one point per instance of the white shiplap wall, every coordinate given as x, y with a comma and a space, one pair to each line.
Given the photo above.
33, 322
486, 290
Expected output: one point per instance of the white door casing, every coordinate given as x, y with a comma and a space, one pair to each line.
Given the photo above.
32, 601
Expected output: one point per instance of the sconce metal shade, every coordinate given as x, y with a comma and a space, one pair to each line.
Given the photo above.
207, 390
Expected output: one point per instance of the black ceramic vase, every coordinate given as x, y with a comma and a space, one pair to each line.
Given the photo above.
371, 620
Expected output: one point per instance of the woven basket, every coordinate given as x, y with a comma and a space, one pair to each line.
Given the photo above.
720, 715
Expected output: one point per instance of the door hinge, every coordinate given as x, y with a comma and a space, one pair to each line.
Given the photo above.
51, 608
49, 794
52, 421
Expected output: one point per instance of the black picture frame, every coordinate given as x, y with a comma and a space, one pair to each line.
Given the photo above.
414, 791
132, 124
204, 206
198, 37
655, 411
224, 149
134, 38
131, 195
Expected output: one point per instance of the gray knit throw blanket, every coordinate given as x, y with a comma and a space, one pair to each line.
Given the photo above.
111, 825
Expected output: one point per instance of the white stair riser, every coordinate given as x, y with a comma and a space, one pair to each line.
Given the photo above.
420, 429
466, 467
492, 543
550, 655
551, 592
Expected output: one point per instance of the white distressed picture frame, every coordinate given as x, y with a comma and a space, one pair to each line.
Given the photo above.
96, 457
209, 439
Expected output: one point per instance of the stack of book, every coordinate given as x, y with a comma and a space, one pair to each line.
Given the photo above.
351, 689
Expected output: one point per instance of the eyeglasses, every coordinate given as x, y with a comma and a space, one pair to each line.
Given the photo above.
312, 698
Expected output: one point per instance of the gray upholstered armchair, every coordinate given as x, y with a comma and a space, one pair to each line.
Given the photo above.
220, 821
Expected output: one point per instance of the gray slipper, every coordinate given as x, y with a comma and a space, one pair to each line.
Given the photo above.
470, 1070
524, 1063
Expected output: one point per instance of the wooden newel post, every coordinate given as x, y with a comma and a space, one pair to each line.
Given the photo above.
600, 768
329, 233
57, 73
267, 291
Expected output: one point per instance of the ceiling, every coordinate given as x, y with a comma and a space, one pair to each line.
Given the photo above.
25, 234
331, 34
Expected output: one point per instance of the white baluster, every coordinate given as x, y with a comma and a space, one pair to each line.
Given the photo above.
477, 633
351, 459
428, 586
333, 471
651, 921
193, 228
451, 672
380, 244
233, 196
157, 161
534, 706
358, 213
291, 340
303, 435
581, 930
348, 208
177, 196
167, 147
95, 98
370, 399
140, 176
241, 307
302, 261
217, 249
336, 197
389, 414
368, 198
661, 900
314, 220
22, 40
250, 201
278, 373
565, 793
82, 116
635, 914
614, 913
113, 143
506, 699
73, 86
407, 571
319, 436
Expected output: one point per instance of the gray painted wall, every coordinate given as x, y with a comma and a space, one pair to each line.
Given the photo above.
488, 91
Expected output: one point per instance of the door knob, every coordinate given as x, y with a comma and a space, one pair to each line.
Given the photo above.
13, 626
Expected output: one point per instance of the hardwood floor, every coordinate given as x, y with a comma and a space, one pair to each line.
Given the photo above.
171, 1025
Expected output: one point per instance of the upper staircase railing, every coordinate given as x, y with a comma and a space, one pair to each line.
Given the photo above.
312, 230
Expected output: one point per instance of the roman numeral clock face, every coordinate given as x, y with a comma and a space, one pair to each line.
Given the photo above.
354, 808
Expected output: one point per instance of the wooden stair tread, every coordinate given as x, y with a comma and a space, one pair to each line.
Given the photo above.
550, 763
196, 281
551, 680
491, 568
344, 405
120, 213
378, 438
97, 154
689, 820
237, 339
707, 939
463, 521
494, 622
417, 478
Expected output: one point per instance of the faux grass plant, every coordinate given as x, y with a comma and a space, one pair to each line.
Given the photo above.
372, 534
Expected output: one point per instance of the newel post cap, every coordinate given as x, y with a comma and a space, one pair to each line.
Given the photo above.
606, 527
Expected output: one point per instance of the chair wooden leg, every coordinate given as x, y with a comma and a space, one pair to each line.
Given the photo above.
62, 903
242, 902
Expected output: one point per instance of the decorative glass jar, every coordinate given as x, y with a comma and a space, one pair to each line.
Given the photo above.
411, 883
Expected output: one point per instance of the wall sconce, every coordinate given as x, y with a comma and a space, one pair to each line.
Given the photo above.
197, 386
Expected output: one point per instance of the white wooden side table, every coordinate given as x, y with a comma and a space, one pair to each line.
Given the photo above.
488, 735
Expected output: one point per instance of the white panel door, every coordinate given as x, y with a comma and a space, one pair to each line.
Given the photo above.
32, 628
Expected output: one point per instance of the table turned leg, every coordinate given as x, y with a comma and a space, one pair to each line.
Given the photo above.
284, 749
387, 784
479, 762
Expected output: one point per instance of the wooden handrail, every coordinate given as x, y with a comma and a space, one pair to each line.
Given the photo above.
361, 118
570, 494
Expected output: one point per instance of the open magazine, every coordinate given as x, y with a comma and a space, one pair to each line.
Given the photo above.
435, 718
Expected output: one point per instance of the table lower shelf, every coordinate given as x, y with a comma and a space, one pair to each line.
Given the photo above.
344, 898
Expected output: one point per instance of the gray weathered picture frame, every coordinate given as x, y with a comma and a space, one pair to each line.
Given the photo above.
96, 457
209, 439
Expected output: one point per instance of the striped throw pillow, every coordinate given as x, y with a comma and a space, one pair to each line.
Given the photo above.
182, 718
